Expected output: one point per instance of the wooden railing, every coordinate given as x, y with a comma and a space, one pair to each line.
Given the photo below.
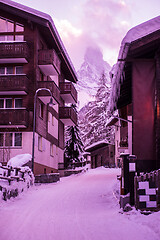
14, 83
23, 176
14, 50
14, 117
68, 113
68, 88
52, 87
48, 56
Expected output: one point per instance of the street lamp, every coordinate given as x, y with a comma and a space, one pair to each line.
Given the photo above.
34, 120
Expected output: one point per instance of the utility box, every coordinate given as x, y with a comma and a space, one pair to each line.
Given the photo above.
128, 163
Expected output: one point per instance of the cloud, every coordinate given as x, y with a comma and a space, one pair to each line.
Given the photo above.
103, 23
106, 22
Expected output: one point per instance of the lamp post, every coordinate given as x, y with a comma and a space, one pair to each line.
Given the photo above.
34, 120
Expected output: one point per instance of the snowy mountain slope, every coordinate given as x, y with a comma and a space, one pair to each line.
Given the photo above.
89, 74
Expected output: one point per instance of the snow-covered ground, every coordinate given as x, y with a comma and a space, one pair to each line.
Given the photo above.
78, 207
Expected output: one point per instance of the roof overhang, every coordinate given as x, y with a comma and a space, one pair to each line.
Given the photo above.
139, 44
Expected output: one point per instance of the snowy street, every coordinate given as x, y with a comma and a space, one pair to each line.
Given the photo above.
78, 207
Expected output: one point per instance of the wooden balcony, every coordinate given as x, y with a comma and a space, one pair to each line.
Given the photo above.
49, 62
68, 116
14, 84
52, 87
68, 92
14, 52
14, 118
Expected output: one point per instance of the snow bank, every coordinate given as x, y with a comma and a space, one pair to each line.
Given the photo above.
19, 160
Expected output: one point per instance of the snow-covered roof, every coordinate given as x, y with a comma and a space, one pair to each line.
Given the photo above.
132, 35
96, 145
46, 17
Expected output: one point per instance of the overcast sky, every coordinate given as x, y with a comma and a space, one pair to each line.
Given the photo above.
97, 23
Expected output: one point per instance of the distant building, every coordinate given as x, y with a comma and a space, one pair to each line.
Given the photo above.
101, 154
32, 56
136, 93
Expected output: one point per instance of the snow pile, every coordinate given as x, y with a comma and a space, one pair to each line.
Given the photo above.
14, 178
132, 35
13, 185
19, 160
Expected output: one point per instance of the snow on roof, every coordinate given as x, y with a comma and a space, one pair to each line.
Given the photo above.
96, 144
132, 35
46, 17
19, 160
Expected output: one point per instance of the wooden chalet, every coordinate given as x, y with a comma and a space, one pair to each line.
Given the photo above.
32, 56
136, 93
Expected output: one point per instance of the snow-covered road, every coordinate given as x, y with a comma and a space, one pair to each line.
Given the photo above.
80, 207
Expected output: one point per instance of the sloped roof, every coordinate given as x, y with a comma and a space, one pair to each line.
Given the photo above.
47, 21
132, 35
97, 145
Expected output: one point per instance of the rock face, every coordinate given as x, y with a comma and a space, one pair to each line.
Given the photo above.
89, 74
94, 90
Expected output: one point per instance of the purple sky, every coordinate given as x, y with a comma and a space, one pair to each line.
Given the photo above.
99, 23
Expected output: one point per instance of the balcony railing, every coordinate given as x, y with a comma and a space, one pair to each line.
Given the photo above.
49, 57
52, 87
68, 116
11, 118
14, 83
68, 92
12, 50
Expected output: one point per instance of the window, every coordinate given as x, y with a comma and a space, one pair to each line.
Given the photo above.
52, 120
11, 31
41, 110
11, 70
10, 139
1, 103
6, 25
18, 139
18, 102
11, 103
1, 139
40, 143
51, 149
56, 150
8, 103
19, 70
2, 70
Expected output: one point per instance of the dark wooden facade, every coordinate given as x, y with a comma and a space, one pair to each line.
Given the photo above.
140, 89
102, 154
45, 64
